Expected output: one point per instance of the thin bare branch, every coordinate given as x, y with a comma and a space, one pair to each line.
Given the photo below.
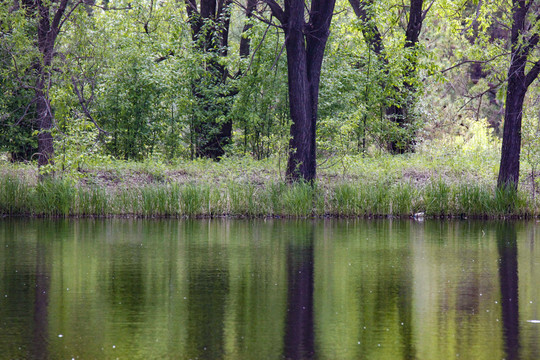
473, 62
82, 102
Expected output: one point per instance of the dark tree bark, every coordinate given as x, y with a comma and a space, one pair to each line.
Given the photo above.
397, 112
305, 43
48, 30
518, 82
210, 20
245, 41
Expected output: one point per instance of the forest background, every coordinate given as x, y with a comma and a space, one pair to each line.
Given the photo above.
188, 97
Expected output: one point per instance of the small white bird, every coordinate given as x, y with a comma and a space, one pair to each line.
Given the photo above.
419, 216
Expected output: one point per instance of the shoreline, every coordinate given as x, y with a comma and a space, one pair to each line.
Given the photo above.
436, 199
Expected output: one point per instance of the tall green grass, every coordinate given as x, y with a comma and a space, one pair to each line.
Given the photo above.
14, 198
56, 197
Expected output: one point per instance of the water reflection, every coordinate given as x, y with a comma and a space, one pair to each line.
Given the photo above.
299, 335
508, 278
40, 337
268, 290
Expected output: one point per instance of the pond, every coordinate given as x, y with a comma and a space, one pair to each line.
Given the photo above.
274, 289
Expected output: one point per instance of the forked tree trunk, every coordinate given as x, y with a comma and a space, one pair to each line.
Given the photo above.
305, 44
48, 30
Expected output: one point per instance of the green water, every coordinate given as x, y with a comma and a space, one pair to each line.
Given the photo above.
223, 289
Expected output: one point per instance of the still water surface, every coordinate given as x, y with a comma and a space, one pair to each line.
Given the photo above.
222, 289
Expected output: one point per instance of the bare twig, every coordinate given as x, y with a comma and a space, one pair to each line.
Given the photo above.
473, 62
82, 102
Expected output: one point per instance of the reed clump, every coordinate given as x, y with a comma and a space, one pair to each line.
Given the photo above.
436, 198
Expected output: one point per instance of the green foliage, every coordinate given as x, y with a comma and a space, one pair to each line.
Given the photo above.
261, 111
76, 146
17, 56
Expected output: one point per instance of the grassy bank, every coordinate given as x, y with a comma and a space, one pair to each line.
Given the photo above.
445, 179
60, 197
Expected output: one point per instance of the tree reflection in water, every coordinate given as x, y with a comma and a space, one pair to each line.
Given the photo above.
40, 338
299, 335
508, 278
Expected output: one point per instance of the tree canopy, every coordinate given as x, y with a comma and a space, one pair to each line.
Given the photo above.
87, 79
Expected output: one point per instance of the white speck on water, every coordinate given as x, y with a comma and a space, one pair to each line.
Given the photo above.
60, 335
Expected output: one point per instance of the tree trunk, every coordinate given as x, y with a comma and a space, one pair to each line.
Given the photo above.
47, 33
518, 83
245, 41
305, 44
300, 163
511, 145
45, 125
